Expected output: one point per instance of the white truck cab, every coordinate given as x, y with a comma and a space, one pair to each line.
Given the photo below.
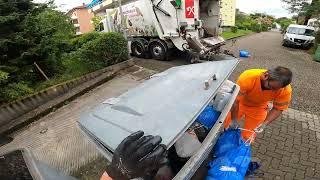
299, 35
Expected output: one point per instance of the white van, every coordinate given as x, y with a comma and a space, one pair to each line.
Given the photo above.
299, 35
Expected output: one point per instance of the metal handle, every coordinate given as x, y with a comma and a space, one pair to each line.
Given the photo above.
207, 82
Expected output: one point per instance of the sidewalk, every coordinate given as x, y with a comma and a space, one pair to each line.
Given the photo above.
56, 139
290, 147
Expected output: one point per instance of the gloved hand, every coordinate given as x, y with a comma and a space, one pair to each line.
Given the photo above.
234, 124
137, 156
260, 128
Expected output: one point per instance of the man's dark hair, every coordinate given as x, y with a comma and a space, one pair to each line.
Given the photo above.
280, 74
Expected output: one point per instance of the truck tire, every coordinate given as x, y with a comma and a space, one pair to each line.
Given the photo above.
138, 48
158, 50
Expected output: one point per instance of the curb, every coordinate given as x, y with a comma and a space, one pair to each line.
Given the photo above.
22, 112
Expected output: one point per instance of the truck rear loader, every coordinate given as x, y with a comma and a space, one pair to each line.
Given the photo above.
155, 27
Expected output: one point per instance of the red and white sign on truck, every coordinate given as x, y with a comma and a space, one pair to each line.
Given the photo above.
189, 5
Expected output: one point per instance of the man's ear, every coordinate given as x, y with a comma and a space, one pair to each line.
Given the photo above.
265, 76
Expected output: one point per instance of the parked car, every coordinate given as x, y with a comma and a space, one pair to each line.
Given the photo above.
299, 36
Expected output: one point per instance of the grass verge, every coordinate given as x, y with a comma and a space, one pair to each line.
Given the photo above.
240, 32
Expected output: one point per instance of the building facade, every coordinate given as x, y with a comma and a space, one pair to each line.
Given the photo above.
81, 17
228, 12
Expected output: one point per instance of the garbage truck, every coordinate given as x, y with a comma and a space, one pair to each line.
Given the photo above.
156, 27
169, 104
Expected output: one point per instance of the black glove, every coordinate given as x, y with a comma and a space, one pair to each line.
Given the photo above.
137, 156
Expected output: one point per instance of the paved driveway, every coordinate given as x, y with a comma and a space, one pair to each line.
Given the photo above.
290, 147
267, 52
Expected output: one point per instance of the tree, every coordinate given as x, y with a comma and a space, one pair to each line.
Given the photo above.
304, 7
96, 22
12, 42
29, 33
49, 33
256, 22
284, 22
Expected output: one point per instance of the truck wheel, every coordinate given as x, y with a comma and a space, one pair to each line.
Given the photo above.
138, 48
158, 50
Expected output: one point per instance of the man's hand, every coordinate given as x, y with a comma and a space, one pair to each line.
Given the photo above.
234, 124
137, 156
260, 128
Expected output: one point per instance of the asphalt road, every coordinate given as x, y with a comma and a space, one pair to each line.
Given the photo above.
267, 52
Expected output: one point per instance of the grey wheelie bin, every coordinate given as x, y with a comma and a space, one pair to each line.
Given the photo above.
167, 105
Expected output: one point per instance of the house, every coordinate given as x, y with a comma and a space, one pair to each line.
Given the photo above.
81, 19
228, 12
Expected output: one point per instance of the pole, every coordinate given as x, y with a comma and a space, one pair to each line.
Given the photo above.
43, 74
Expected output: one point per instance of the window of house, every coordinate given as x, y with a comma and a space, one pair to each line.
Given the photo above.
75, 21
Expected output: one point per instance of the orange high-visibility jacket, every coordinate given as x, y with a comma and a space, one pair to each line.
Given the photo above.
252, 95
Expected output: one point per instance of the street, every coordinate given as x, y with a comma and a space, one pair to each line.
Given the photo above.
288, 149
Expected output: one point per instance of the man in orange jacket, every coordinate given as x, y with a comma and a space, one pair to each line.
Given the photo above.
258, 87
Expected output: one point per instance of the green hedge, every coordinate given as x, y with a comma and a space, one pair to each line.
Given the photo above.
234, 29
109, 49
88, 53
79, 41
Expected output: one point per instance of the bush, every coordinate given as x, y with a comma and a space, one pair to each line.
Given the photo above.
109, 49
14, 91
79, 41
48, 34
75, 66
264, 27
3, 76
255, 27
234, 29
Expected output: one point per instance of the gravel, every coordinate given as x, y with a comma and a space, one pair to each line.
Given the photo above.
266, 52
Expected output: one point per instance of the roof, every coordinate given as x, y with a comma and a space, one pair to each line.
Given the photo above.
301, 26
77, 7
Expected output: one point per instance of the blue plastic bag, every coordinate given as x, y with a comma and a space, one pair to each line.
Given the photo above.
229, 140
221, 168
240, 158
208, 117
244, 54
233, 165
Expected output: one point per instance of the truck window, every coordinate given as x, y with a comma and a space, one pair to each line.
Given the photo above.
300, 31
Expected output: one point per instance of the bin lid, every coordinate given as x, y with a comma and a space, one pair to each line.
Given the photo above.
166, 104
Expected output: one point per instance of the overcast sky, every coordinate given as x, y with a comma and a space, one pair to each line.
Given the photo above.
272, 7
